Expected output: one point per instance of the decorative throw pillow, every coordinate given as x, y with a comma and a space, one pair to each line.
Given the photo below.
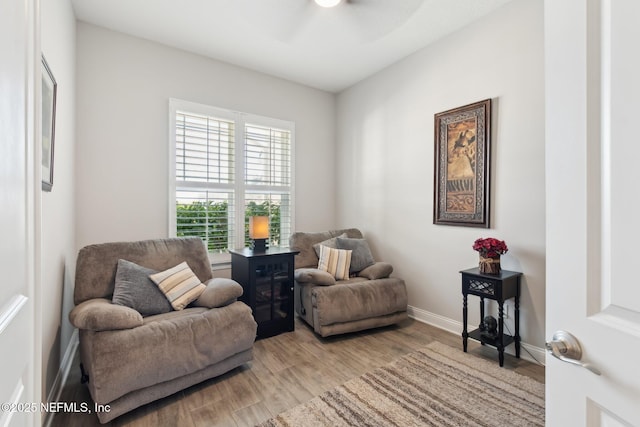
179, 284
379, 270
134, 289
331, 243
361, 257
335, 261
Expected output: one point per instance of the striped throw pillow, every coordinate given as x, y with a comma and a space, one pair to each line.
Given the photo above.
335, 262
179, 284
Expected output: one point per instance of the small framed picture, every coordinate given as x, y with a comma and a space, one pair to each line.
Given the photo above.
462, 160
49, 93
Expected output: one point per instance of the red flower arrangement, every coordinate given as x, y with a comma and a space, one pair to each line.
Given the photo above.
490, 247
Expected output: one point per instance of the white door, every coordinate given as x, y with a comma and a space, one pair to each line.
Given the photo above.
19, 381
592, 54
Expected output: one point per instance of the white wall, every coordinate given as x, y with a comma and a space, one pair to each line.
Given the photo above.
124, 84
386, 160
58, 209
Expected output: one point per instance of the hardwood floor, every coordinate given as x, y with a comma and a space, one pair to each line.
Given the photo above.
287, 369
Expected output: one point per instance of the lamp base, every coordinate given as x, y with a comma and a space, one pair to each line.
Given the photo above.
259, 245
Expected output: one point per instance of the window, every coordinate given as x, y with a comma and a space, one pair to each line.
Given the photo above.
226, 167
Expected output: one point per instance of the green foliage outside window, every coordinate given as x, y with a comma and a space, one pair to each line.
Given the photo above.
207, 220
210, 222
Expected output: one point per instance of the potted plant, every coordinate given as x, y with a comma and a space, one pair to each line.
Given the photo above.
490, 250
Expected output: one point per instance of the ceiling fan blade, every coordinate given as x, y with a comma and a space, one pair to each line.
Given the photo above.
303, 21
292, 16
376, 18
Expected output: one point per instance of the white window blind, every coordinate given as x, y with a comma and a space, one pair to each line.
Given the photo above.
204, 148
226, 167
267, 177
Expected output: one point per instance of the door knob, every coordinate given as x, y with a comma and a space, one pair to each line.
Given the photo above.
566, 347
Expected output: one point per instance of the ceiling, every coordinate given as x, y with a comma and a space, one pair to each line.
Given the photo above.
329, 49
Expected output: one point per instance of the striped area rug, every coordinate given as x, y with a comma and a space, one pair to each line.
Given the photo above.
435, 386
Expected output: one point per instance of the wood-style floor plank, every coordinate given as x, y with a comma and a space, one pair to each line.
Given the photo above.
287, 370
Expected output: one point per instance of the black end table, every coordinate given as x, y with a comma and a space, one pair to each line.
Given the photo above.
498, 287
267, 280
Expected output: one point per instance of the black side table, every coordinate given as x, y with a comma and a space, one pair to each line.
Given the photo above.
267, 280
498, 287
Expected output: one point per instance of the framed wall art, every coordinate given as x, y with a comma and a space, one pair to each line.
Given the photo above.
462, 165
49, 93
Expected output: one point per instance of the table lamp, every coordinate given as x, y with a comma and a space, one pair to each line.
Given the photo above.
259, 232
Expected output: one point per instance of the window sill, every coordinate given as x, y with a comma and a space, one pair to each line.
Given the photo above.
220, 266
220, 261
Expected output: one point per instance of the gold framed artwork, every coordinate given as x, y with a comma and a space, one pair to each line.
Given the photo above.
49, 93
462, 165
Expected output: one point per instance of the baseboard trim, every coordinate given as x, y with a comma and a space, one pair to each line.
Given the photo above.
528, 352
62, 375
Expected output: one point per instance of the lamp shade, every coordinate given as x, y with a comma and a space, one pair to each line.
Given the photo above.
259, 227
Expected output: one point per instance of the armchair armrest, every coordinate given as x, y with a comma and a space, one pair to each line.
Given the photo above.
99, 314
219, 292
314, 276
379, 270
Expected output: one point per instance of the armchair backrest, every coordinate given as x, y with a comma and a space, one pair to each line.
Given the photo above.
97, 264
304, 242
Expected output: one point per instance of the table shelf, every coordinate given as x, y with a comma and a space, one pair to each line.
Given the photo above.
476, 334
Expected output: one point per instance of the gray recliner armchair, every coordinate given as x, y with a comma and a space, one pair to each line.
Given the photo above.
368, 298
130, 359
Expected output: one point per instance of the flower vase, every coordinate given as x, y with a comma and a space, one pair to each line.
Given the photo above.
490, 265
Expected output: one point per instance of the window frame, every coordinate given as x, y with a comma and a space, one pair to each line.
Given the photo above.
240, 188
